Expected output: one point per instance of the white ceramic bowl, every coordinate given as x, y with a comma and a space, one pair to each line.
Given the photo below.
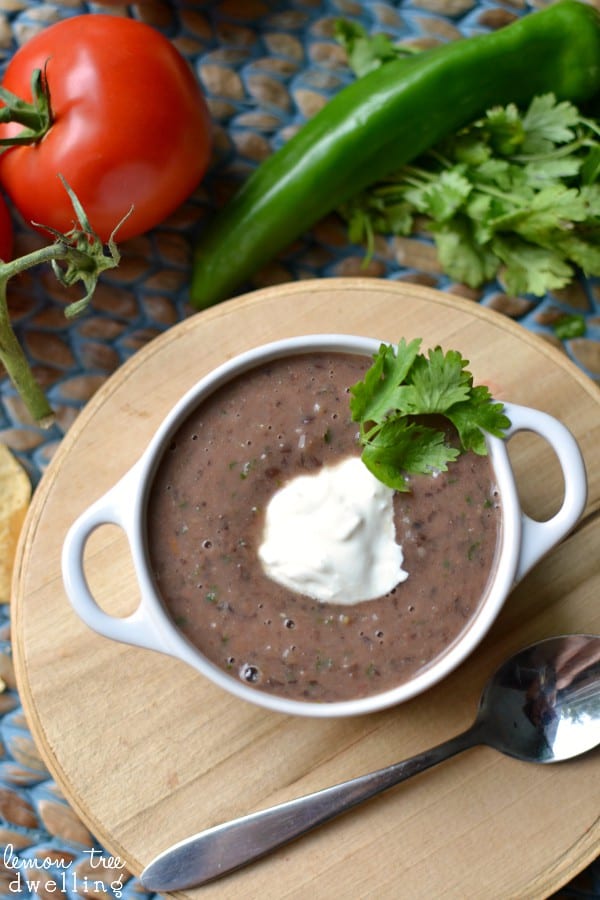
523, 541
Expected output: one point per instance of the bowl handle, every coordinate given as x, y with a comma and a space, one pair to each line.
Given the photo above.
116, 507
537, 538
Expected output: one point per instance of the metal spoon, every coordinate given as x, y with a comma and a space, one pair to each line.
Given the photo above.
542, 706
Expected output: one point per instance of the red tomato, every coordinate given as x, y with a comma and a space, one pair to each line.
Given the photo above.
6, 233
130, 126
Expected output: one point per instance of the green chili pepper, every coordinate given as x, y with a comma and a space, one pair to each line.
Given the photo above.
385, 119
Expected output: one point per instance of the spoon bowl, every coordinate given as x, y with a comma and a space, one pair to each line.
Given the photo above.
541, 706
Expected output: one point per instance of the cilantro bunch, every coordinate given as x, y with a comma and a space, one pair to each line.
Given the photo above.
515, 195
400, 388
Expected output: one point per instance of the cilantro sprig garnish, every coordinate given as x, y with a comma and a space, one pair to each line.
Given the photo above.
395, 399
514, 195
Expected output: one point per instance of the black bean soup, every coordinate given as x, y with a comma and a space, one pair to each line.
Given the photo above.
205, 520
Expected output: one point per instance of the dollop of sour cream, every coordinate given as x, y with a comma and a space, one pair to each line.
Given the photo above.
331, 536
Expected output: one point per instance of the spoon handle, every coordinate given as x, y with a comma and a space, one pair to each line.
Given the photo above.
226, 847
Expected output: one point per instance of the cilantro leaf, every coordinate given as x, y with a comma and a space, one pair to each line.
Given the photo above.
468, 147
401, 447
373, 399
498, 173
505, 129
476, 416
462, 256
553, 207
530, 269
365, 52
441, 198
396, 400
537, 172
584, 250
437, 382
547, 123
570, 326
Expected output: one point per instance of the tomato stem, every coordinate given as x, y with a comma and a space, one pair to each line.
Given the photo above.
75, 256
17, 366
36, 117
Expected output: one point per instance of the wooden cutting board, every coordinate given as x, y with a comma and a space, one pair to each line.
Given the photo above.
148, 752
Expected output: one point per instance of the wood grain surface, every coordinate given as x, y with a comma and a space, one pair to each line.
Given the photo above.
148, 752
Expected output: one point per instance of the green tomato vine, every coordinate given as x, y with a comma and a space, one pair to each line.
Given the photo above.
77, 256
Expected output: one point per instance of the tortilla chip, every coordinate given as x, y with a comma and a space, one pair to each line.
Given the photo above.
15, 494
